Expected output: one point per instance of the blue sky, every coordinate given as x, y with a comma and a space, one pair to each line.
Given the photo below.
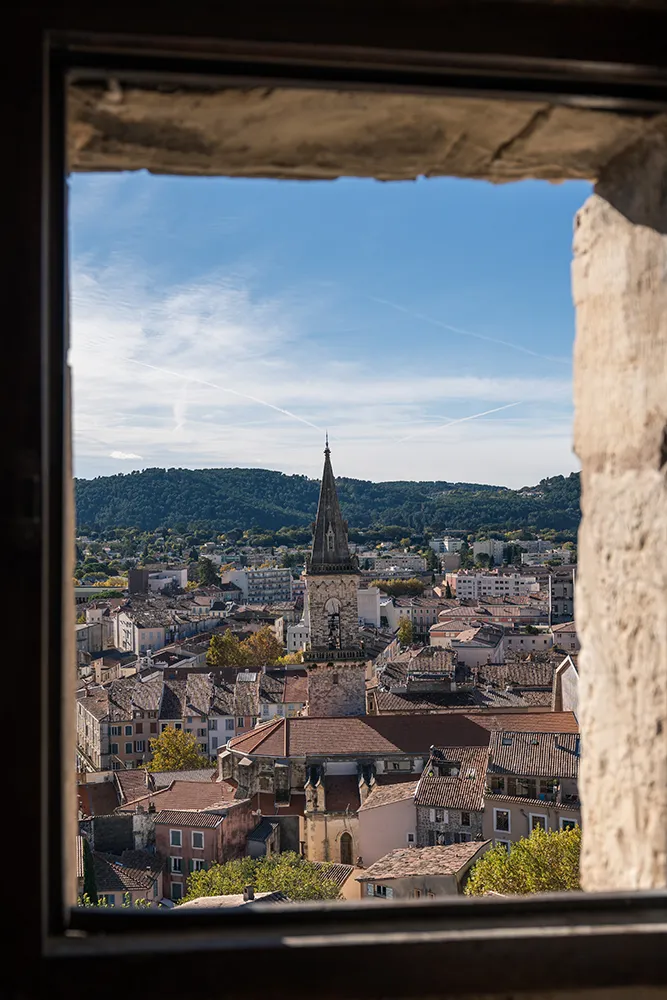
224, 322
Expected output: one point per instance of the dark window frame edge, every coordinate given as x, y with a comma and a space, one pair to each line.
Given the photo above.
84, 936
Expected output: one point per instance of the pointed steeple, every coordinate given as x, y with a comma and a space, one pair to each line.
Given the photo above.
330, 552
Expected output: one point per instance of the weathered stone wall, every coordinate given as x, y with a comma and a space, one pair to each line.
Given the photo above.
301, 133
620, 292
449, 829
336, 689
343, 588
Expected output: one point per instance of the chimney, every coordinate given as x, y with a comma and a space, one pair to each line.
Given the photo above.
248, 894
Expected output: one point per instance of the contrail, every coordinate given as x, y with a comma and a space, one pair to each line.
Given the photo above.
460, 420
222, 388
466, 333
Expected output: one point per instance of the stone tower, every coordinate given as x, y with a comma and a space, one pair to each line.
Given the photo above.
334, 660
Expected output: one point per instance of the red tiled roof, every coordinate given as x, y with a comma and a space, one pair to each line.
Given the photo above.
399, 791
539, 755
98, 798
406, 861
296, 688
185, 795
184, 817
464, 791
390, 734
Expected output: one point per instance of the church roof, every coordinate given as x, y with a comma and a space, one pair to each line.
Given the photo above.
330, 552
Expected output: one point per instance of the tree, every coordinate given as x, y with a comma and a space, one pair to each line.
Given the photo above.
289, 658
448, 593
543, 862
207, 574
432, 561
89, 882
405, 631
225, 650
399, 588
289, 873
192, 585
483, 559
262, 649
176, 750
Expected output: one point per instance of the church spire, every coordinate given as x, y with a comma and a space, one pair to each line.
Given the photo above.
330, 552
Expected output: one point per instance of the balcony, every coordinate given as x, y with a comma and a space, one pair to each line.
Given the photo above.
323, 655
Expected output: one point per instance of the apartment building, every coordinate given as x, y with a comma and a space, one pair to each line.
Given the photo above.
473, 584
531, 782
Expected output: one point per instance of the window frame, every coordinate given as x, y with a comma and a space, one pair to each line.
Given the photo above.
66, 943
532, 816
508, 813
172, 842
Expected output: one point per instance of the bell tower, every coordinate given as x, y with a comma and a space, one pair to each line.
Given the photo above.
334, 659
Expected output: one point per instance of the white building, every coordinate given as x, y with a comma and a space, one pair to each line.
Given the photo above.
167, 578
494, 548
269, 585
473, 584
297, 637
564, 556
368, 603
400, 560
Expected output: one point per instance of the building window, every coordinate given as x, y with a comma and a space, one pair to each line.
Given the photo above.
176, 890
465, 819
201, 732
116, 730
139, 728
417, 894
198, 840
410, 837
178, 725
175, 839
567, 824
229, 724
128, 730
114, 748
140, 746
501, 820
346, 849
154, 727
537, 821
164, 726
176, 865
108, 899
441, 816
213, 724
506, 844
128, 748
379, 890
198, 865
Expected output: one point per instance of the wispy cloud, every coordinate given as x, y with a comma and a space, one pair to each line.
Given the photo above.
467, 333
459, 420
212, 372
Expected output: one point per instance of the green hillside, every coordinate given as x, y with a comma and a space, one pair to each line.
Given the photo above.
222, 499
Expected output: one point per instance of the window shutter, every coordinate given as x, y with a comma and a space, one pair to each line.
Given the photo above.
431, 815
190, 866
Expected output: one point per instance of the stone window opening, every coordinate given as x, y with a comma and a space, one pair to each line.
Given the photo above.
631, 866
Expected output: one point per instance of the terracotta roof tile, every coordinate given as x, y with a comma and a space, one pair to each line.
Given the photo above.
535, 754
189, 817
420, 861
384, 795
132, 871
182, 795
463, 791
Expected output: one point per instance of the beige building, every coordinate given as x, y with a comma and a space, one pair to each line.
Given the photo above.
423, 872
387, 820
531, 782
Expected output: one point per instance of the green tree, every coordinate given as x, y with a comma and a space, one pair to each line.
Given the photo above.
483, 559
89, 882
543, 862
176, 750
289, 873
400, 588
262, 649
207, 574
225, 650
448, 593
405, 631
432, 561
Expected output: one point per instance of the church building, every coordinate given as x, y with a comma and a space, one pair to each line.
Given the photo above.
334, 659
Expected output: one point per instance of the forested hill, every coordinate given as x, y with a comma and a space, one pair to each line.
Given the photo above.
222, 499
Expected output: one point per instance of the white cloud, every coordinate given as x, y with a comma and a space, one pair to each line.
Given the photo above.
210, 374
